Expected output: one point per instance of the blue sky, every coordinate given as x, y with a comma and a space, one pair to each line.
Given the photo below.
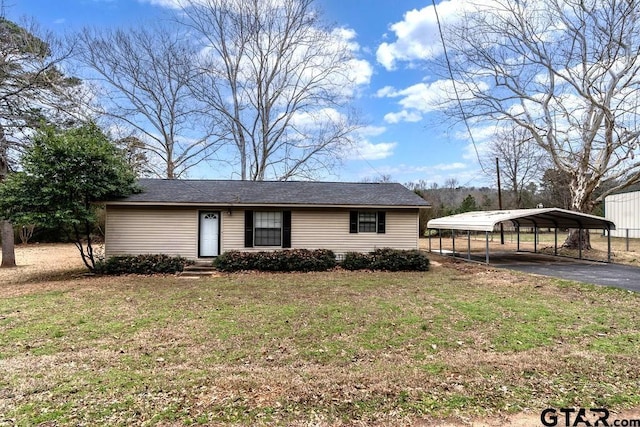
406, 138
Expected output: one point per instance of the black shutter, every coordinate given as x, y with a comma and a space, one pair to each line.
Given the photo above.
248, 229
286, 229
382, 222
353, 222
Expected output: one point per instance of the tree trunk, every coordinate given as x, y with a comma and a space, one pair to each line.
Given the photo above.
8, 245
577, 237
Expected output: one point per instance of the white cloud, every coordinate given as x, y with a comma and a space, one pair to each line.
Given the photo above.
417, 36
403, 116
360, 71
372, 131
171, 4
449, 166
386, 92
386, 56
349, 35
416, 100
365, 150
423, 98
316, 119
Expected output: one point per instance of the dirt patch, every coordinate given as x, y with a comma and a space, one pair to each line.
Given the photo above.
42, 261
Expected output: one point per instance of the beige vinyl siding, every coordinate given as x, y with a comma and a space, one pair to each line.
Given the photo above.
329, 229
233, 231
134, 231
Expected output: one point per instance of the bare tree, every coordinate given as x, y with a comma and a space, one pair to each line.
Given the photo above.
32, 89
568, 72
278, 81
521, 160
144, 74
380, 178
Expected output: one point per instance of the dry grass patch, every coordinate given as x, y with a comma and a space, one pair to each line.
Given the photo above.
39, 262
335, 348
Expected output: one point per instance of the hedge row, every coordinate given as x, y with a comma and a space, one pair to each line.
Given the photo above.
386, 259
285, 260
322, 260
141, 264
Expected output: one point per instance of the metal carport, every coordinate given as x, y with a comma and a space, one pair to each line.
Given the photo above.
535, 218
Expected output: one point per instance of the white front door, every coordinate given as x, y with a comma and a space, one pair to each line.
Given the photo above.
209, 234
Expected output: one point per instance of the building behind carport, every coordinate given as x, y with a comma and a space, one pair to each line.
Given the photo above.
486, 221
624, 210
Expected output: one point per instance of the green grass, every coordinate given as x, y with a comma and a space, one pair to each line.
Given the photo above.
324, 348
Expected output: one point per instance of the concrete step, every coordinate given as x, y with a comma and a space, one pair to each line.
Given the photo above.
198, 273
199, 269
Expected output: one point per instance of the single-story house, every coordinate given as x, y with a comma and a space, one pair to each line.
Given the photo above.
204, 218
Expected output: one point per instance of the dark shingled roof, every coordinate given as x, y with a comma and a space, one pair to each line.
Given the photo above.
232, 192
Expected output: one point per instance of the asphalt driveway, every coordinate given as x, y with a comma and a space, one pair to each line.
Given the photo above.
597, 273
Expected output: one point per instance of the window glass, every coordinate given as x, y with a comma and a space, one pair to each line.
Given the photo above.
367, 222
268, 228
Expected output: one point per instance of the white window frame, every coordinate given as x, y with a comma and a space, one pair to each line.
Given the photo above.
260, 221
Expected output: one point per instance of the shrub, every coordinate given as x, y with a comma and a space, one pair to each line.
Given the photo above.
141, 264
283, 260
234, 261
357, 261
387, 259
399, 260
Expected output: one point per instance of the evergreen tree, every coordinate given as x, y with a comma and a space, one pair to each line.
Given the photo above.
64, 174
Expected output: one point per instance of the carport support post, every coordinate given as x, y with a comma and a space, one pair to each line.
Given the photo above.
535, 239
609, 243
580, 243
555, 241
469, 244
517, 237
486, 239
453, 243
429, 234
440, 236
626, 239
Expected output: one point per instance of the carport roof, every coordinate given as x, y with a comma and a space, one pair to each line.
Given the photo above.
542, 217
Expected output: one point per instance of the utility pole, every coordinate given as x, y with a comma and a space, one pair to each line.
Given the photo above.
499, 200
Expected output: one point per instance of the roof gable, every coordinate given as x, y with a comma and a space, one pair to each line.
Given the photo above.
234, 192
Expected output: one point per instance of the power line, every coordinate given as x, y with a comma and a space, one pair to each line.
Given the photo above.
455, 88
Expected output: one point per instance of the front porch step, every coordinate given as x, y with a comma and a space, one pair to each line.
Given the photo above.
199, 269
208, 273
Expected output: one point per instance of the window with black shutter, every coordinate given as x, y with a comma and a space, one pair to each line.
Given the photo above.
286, 229
268, 228
367, 222
382, 222
248, 229
353, 222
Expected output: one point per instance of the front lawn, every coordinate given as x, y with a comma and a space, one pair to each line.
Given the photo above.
317, 348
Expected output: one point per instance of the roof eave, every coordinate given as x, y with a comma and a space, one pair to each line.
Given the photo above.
265, 205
